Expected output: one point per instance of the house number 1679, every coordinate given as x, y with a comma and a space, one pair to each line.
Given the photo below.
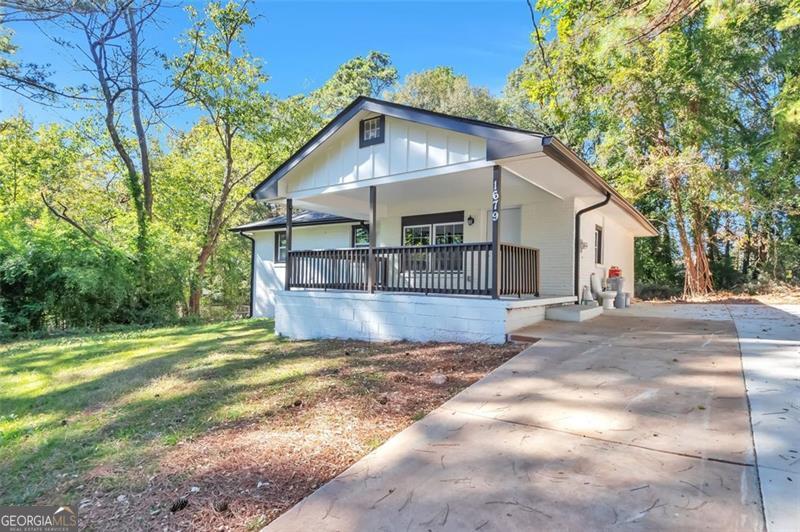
495, 202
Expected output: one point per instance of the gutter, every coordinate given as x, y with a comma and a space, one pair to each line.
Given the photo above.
578, 242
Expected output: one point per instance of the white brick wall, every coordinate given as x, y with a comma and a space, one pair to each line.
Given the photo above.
549, 226
618, 243
304, 314
307, 314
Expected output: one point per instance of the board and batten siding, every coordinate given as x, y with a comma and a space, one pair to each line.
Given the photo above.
408, 147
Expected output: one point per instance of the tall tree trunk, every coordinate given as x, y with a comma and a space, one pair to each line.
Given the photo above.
215, 223
196, 292
141, 134
683, 238
703, 284
98, 54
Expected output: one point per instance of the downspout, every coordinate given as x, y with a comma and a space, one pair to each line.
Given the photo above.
578, 243
252, 270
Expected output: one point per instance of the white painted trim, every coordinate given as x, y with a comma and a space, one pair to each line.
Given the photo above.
537, 185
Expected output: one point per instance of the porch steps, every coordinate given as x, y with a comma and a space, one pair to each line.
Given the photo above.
575, 313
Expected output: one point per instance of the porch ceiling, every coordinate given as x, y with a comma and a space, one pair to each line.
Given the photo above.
526, 179
471, 187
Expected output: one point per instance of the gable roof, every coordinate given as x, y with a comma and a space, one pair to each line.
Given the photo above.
299, 219
501, 141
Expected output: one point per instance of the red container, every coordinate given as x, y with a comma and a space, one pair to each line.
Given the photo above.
615, 271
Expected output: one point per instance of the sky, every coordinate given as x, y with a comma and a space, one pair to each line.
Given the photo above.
301, 43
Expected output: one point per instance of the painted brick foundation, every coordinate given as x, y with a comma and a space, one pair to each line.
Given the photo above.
307, 314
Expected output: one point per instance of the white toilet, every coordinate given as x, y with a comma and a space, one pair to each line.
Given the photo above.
605, 297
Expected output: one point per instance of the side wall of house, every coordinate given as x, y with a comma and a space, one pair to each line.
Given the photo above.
269, 276
617, 247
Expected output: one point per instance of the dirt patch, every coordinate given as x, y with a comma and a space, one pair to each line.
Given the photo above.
784, 295
243, 475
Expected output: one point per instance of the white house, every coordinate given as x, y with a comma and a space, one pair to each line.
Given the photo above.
409, 224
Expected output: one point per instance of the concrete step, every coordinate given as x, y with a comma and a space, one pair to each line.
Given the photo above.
572, 313
526, 339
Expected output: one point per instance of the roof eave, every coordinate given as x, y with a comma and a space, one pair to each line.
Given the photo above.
559, 151
269, 227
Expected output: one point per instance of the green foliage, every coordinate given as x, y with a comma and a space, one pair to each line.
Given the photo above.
370, 75
441, 89
49, 279
52, 275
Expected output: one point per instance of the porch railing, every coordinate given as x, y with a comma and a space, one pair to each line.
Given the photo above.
437, 269
519, 270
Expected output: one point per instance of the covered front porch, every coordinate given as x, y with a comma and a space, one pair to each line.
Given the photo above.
476, 269
452, 256
469, 232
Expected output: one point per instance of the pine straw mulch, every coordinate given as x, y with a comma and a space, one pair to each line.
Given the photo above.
243, 476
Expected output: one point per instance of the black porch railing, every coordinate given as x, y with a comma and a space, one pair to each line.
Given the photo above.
438, 269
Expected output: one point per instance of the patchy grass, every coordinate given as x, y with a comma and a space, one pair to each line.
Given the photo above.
228, 416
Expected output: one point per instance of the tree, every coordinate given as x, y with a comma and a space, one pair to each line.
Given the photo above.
662, 95
109, 48
223, 80
370, 75
441, 89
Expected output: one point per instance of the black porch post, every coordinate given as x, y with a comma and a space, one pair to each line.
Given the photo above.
495, 231
373, 237
288, 283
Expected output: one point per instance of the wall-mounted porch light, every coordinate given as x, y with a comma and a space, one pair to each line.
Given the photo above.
470, 220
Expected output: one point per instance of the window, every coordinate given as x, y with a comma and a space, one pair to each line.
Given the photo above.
449, 233
280, 246
427, 229
371, 131
417, 235
598, 244
360, 236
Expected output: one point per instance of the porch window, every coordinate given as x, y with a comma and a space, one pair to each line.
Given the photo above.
417, 235
439, 229
598, 244
371, 131
280, 246
360, 236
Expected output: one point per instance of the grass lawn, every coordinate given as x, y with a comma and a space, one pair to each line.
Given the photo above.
227, 416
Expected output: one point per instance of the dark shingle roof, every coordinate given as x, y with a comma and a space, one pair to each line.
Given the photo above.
299, 219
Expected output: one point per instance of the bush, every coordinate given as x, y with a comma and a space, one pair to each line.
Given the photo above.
52, 279
657, 291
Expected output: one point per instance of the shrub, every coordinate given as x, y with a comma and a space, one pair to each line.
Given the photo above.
657, 291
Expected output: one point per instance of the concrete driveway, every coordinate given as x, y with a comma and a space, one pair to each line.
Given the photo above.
623, 422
